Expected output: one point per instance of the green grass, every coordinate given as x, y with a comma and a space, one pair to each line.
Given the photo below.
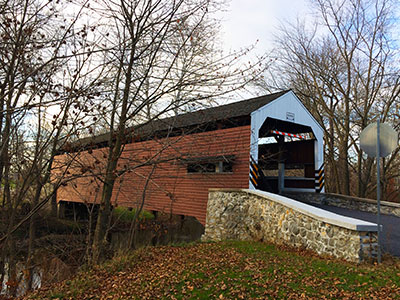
230, 270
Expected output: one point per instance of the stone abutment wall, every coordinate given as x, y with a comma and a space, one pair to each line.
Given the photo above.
261, 216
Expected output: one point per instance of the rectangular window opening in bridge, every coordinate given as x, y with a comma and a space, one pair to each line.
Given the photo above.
215, 164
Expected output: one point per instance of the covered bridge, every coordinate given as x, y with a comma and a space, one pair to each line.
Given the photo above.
270, 143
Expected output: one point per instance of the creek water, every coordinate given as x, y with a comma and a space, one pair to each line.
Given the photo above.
22, 279
53, 269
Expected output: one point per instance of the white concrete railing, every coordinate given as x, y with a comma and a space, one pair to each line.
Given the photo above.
318, 213
350, 202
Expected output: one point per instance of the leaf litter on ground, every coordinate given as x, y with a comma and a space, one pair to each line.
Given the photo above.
228, 270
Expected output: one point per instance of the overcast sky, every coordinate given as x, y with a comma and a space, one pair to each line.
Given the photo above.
247, 21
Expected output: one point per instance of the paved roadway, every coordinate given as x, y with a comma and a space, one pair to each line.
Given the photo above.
391, 226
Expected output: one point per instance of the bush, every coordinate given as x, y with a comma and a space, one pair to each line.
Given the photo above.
123, 214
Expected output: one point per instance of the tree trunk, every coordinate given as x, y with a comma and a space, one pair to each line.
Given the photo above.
32, 234
344, 168
99, 238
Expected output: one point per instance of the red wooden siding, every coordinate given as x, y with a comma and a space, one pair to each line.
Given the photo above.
170, 188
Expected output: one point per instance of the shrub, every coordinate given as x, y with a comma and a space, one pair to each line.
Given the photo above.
124, 214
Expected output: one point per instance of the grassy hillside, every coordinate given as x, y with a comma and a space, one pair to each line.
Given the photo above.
229, 270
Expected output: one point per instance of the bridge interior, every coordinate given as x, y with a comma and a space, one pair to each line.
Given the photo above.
286, 156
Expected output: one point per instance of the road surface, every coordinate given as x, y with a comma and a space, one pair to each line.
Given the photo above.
391, 226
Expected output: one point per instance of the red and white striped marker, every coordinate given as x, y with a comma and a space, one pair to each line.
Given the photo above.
299, 136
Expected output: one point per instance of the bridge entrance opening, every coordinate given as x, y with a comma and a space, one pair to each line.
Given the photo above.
286, 158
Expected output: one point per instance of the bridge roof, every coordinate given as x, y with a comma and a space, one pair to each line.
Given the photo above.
222, 113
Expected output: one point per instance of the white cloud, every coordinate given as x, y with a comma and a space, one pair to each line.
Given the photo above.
247, 21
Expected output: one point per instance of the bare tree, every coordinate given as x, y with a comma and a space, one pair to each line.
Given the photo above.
65, 78
159, 62
344, 70
42, 68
